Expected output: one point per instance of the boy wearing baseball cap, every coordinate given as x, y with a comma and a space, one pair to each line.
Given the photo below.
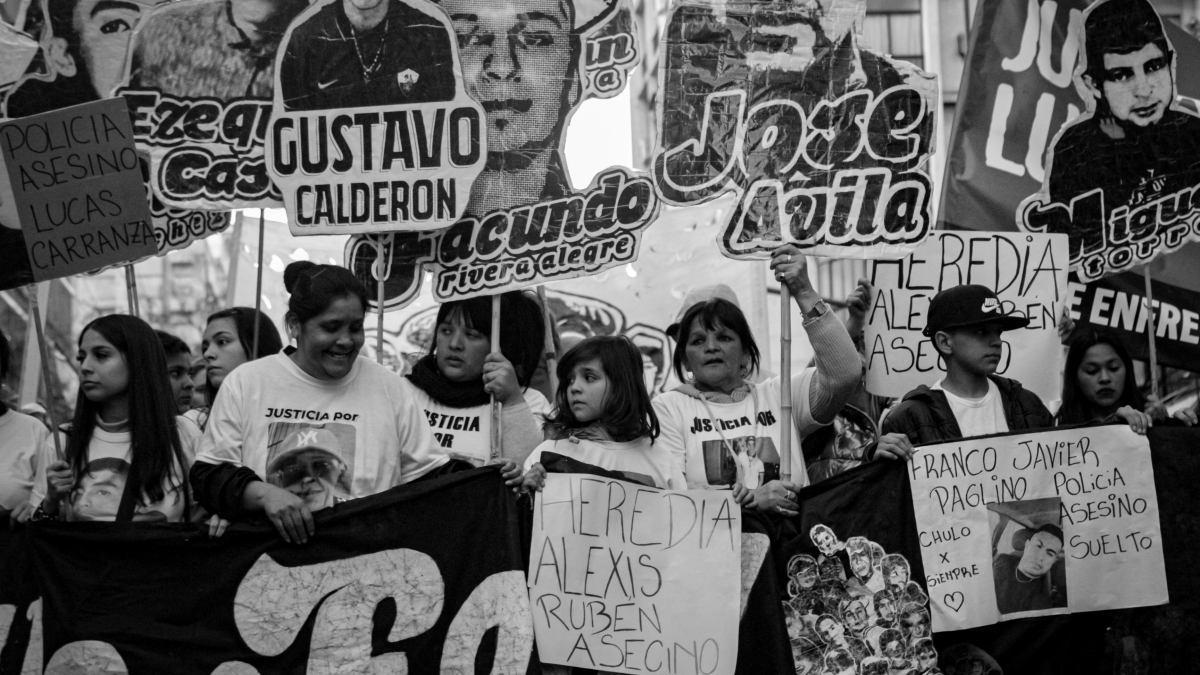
965, 323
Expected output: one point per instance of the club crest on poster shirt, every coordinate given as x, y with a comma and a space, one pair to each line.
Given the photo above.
84, 45
524, 223
823, 140
373, 129
1123, 179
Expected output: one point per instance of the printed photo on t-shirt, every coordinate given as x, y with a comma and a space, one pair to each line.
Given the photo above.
312, 461
97, 494
747, 460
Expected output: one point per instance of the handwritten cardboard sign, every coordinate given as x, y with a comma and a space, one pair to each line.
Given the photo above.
822, 139
626, 578
73, 199
1034, 524
1027, 271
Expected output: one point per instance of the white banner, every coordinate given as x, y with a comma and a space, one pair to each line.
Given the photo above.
629, 579
1034, 524
1027, 271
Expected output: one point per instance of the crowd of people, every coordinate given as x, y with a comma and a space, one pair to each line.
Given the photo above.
255, 429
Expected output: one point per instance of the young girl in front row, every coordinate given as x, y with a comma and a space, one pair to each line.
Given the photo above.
604, 417
128, 452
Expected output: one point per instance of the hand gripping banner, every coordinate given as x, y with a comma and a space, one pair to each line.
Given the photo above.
84, 43
524, 222
1123, 179
822, 139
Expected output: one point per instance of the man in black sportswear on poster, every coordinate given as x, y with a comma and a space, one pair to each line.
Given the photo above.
363, 53
1134, 146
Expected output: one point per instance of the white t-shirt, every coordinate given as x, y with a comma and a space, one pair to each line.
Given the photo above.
268, 408
642, 461
719, 444
465, 433
21, 440
977, 416
97, 496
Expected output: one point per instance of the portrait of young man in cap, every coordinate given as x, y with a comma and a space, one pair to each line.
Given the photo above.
309, 463
1023, 582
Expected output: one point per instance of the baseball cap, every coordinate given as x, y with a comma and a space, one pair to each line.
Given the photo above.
699, 295
305, 439
968, 305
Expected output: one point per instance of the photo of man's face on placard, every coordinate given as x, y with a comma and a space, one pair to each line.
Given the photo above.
312, 462
1028, 561
1135, 145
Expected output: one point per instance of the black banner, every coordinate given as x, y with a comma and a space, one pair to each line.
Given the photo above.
1116, 304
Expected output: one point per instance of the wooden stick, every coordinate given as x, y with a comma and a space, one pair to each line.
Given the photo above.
1151, 328
551, 355
41, 338
497, 435
131, 289
785, 382
381, 272
262, 228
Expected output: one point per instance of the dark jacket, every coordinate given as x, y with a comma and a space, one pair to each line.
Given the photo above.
924, 414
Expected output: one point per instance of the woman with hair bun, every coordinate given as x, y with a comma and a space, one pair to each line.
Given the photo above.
296, 432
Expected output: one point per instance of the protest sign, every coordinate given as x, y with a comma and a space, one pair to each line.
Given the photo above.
71, 194
91, 61
1034, 524
525, 225
1028, 272
630, 559
1016, 93
822, 139
199, 87
1120, 177
372, 129
1117, 304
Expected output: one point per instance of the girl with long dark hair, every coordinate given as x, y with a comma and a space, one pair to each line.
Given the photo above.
604, 418
127, 454
228, 342
1099, 386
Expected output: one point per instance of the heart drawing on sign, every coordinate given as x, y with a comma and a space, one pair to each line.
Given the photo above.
951, 598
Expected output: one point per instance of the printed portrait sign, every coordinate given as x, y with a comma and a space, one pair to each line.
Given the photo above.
199, 80
524, 223
71, 194
854, 605
1028, 272
372, 128
656, 548
85, 42
1120, 179
822, 139
1034, 524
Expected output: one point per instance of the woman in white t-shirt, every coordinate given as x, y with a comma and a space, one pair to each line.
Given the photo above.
21, 439
725, 430
316, 425
455, 382
127, 453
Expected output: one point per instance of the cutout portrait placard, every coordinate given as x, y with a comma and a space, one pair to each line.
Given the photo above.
530, 64
1123, 179
822, 139
372, 129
